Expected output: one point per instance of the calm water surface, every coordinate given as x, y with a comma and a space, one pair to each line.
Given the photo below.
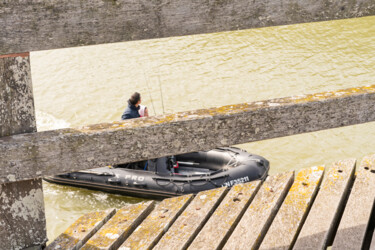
78, 86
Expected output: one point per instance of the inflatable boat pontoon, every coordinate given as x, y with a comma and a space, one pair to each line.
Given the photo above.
172, 176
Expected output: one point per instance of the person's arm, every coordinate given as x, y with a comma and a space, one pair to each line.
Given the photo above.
146, 111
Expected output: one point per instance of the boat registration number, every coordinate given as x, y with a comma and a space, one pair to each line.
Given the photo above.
236, 181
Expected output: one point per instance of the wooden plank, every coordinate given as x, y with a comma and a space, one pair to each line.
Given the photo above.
355, 220
225, 218
188, 224
22, 216
292, 213
157, 223
323, 217
119, 227
39, 25
67, 150
81, 230
372, 243
254, 224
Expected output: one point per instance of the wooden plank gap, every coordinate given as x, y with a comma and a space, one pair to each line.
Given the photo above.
119, 227
149, 232
369, 242
226, 217
355, 220
254, 224
190, 222
292, 213
323, 218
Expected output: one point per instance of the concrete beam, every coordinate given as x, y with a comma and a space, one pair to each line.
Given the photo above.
17, 114
40, 24
46, 153
22, 218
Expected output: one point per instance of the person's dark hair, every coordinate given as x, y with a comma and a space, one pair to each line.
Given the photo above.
134, 99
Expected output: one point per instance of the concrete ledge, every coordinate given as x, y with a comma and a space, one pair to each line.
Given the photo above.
40, 24
34, 155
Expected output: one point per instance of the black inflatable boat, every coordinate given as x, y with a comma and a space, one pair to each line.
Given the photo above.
171, 176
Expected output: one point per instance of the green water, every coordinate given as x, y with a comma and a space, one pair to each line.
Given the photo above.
91, 84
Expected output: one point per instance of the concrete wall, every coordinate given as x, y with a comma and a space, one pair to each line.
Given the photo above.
51, 152
47, 24
22, 219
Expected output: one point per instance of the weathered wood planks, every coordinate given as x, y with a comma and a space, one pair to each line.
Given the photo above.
22, 218
355, 220
254, 224
221, 224
188, 224
81, 230
157, 223
322, 218
267, 221
290, 217
40, 25
67, 150
119, 227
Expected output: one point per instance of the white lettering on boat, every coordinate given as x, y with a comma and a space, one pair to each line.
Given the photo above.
134, 178
141, 178
236, 181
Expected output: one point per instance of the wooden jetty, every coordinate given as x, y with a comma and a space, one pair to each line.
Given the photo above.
315, 209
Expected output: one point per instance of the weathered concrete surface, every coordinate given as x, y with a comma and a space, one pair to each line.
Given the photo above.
22, 219
17, 114
322, 219
29, 156
41, 24
225, 218
254, 224
355, 220
81, 230
290, 217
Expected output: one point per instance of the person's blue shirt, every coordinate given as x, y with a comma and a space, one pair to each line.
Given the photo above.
130, 112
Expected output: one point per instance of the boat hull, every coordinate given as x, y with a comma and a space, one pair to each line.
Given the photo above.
224, 167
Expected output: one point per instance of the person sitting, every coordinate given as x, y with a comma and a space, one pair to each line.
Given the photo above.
132, 110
